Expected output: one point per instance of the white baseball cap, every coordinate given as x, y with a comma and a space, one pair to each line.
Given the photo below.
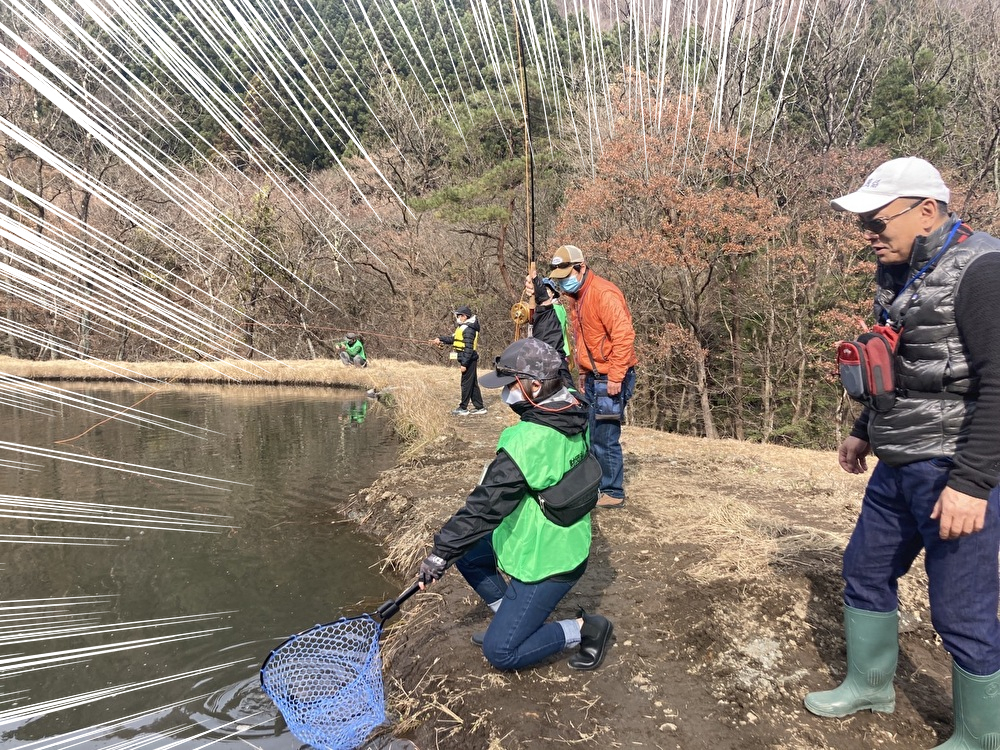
908, 177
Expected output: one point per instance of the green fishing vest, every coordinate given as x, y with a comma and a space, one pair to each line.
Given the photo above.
567, 348
528, 546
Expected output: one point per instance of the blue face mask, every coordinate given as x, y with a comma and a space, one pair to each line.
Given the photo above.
570, 284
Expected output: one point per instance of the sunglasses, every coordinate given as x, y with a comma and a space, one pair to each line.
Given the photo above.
567, 264
877, 224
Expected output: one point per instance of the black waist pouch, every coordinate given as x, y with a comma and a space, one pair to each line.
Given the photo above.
573, 496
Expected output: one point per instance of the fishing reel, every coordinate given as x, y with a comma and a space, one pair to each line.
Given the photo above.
519, 313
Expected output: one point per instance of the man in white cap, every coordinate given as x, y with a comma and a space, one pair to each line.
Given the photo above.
938, 445
604, 345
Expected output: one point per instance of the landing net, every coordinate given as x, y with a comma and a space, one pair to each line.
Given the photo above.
327, 683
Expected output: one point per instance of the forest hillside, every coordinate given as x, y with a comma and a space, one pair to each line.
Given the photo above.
202, 185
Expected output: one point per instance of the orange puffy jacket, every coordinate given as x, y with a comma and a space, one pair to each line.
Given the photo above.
602, 324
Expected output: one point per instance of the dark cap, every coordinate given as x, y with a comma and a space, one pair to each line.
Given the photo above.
527, 358
351, 336
563, 261
463, 310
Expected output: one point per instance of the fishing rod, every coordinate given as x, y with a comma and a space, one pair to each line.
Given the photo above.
520, 312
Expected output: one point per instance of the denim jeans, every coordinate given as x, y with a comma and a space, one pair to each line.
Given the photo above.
605, 437
518, 635
894, 525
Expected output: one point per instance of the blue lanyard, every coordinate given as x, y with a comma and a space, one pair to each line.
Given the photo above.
922, 271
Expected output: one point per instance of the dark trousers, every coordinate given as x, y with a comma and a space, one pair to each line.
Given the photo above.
894, 525
470, 386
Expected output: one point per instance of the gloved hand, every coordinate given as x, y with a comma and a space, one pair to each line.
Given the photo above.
541, 292
431, 569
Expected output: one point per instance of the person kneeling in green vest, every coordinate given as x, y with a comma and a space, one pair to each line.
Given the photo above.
504, 528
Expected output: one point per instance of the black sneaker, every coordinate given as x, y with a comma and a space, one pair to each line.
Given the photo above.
478, 637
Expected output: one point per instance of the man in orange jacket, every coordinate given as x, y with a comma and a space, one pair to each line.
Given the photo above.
605, 353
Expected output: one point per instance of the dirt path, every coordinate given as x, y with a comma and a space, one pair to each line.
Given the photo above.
722, 578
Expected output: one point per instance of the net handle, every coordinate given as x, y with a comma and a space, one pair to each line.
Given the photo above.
391, 607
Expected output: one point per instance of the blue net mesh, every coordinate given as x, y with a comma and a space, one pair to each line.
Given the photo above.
327, 683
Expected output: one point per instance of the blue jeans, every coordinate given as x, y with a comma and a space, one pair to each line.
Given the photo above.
894, 525
518, 635
605, 437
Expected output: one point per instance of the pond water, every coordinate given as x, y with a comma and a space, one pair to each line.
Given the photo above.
135, 610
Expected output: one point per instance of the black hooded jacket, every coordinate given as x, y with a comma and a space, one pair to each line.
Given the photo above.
546, 325
466, 338
503, 486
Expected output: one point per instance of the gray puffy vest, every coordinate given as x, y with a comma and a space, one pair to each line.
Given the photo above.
936, 388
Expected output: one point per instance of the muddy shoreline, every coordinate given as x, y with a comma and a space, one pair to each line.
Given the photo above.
722, 577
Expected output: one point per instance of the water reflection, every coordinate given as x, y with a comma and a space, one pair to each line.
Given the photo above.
116, 632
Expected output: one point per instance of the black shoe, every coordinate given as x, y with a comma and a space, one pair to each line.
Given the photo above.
478, 637
595, 636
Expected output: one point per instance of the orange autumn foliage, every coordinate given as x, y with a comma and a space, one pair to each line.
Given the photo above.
658, 198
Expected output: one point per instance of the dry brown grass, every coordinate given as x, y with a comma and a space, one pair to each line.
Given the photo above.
749, 506
745, 541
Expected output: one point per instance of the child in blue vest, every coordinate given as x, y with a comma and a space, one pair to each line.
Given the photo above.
502, 529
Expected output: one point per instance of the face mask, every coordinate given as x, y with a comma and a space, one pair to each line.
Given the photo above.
570, 284
511, 396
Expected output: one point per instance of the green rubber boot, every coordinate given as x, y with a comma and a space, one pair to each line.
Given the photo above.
977, 711
872, 651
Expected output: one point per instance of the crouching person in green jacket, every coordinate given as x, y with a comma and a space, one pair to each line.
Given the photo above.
352, 351
518, 560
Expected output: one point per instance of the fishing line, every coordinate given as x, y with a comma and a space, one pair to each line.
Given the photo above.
54, 601
46, 393
444, 98
80, 736
20, 664
760, 87
33, 711
69, 541
784, 79
127, 468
